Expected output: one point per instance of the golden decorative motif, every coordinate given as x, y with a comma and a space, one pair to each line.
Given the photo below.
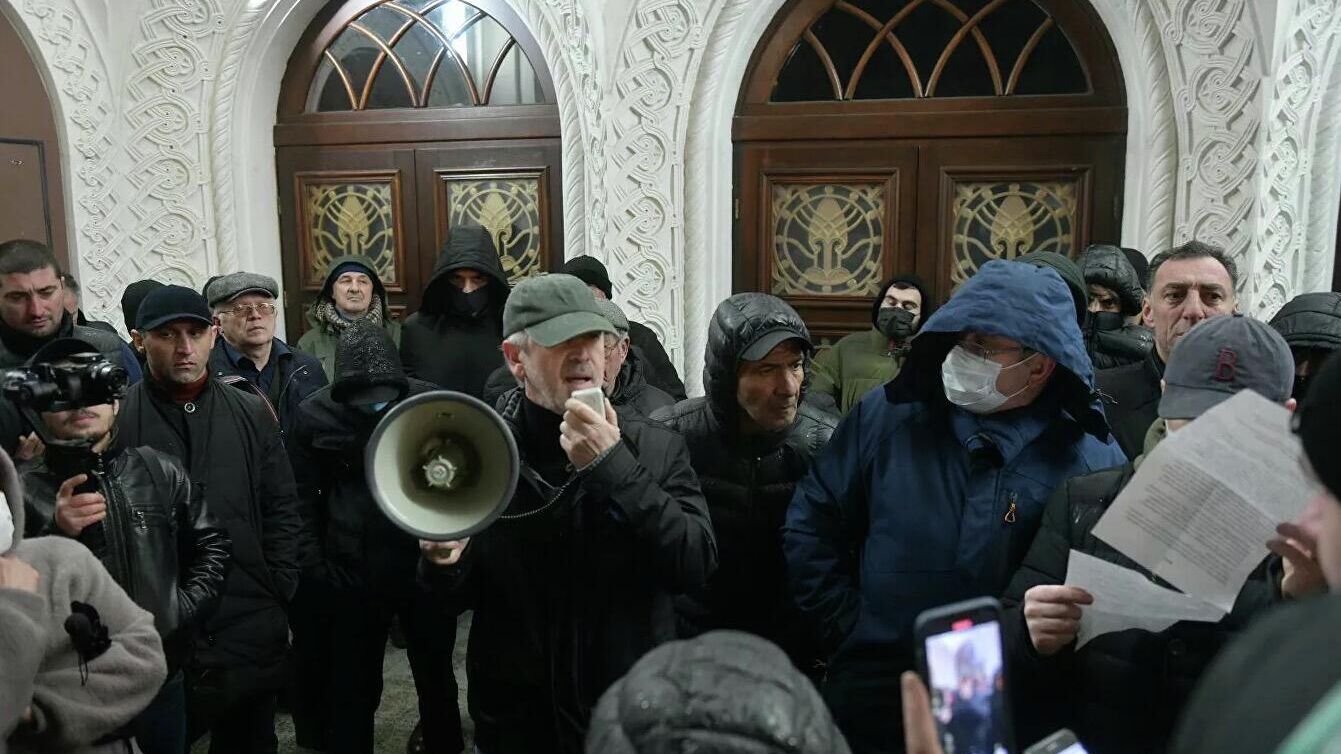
1002, 220
344, 218
827, 239
509, 210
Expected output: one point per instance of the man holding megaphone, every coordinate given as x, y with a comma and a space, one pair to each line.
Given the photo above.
575, 581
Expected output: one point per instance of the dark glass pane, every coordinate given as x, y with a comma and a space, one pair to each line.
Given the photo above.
449, 86
416, 51
330, 90
1054, 68
885, 76
966, 73
1008, 29
845, 37
389, 90
925, 32
803, 78
516, 83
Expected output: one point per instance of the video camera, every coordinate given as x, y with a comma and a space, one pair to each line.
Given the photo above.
76, 381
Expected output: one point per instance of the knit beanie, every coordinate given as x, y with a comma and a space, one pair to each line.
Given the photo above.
591, 271
133, 296
367, 366
1071, 275
1317, 421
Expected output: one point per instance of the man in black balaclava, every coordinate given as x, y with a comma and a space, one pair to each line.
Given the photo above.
362, 572
452, 341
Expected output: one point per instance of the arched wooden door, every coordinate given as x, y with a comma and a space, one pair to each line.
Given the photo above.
400, 119
928, 136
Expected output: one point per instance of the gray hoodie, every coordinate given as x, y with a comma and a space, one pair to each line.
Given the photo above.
39, 667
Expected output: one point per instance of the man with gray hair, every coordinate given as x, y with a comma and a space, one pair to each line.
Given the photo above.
576, 580
245, 312
625, 381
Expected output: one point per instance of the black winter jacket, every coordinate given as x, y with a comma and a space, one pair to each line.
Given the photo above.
299, 375
16, 348
748, 482
158, 540
440, 345
1130, 394
356, 545
569, 593
1108, 266
633, 390
1112, 342
228, 441
1122, 692
1311, 320
660, 372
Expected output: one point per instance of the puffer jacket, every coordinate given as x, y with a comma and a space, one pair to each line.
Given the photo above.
916, 503
748, 482
1311, 320
452, 350
158, 541
632, 389
1108, 266
1122, 692
725, 692
575, 582
1114, 342
16, 347
321, 336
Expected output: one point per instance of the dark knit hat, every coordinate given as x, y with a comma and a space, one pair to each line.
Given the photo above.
133, 296
1317, 421
367, 366
1071, 275
591, 271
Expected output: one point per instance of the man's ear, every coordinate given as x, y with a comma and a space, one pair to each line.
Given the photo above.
1147, 313
1043, 370
137, 339
512, 357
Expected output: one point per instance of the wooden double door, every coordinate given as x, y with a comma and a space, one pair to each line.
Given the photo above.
822, 225
397, 203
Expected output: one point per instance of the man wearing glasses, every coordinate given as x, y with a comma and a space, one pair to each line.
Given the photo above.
244, 309
932, 487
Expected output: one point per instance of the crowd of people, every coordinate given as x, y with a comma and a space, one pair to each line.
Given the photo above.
734, 572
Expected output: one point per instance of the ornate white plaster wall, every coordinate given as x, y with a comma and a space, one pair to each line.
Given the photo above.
167, 108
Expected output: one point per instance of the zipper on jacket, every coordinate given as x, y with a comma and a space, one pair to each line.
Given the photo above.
115, 526
279, 401
1011, 497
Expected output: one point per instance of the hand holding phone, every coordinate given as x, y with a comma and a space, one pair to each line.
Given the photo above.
584, 437
960, 656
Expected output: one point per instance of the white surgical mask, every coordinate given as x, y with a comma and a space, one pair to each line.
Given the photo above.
6, 525
970, 381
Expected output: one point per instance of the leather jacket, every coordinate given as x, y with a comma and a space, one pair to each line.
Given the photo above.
158, 540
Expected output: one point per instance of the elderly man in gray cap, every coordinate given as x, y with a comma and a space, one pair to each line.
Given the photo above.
576, 581
249, 355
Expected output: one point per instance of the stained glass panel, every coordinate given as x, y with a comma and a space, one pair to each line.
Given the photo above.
1004, 219
509, 209
344, 217
827, 238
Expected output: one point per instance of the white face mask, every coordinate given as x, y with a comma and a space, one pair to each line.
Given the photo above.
6, 525
970, 381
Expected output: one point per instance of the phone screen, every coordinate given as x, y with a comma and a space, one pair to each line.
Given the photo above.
968, 688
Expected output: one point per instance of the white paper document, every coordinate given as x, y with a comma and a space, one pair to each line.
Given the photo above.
1125, 599
1203, 504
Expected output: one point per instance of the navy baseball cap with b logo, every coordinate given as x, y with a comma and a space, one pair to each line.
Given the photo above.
1218, 358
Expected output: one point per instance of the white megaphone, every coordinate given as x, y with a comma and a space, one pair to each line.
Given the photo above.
442, 465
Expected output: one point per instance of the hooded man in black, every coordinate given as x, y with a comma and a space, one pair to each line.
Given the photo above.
750, 439
1115, 296
363, 570
1311, 324
452, 341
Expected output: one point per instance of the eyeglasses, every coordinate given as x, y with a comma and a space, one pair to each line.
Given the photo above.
265, 309
987, 353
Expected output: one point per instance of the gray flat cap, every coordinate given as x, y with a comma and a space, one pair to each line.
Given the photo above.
225, 288
613, 313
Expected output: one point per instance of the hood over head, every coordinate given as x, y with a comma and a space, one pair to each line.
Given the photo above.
12, 487
367, 366
472, 248
1108, 266
335, 270
1024, 302
726, 692
742, 321
928, 306
1311, 320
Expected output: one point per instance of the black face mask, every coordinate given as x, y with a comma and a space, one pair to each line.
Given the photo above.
1106, 321
896, 323
470, 304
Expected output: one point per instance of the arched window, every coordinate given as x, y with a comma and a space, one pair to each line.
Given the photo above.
401, 119
926, 136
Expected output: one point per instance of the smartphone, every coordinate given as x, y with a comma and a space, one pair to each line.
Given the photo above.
960, 655
593, 397
1061, 742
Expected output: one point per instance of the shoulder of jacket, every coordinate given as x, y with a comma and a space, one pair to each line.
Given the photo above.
639, 427
673, 416
168, 464
817, 417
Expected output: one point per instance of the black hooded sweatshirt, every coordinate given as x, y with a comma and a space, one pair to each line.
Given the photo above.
444, 345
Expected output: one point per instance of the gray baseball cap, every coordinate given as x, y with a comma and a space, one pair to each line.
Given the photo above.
553, 309
613, 313
1218, 358
228, 287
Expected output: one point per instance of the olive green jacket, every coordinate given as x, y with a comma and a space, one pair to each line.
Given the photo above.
320, 340
853, 366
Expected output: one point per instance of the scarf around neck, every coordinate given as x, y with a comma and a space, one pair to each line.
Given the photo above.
330, 316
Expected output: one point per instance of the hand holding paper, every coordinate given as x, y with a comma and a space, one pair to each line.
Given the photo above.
1125, 599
